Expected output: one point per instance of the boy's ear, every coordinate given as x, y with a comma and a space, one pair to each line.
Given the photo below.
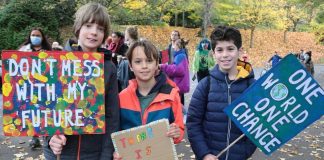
240, 51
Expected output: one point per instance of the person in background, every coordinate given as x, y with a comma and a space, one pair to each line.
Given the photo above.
56, 46
117, 46
35, 41
245, 56
151, 95
274, 59
71, 44
175, 35
124, 74
209, 129
91, 27
178, 71
309, 63
203, 59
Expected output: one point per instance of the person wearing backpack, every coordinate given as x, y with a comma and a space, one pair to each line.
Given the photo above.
209, 129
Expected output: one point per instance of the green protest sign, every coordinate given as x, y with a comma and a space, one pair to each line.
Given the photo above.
279, 105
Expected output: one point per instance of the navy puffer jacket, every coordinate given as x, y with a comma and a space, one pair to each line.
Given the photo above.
207, 123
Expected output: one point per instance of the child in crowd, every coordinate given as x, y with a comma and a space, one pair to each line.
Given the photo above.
151, 95
210, 130
178, 71
203, 59
124, 74
91, 28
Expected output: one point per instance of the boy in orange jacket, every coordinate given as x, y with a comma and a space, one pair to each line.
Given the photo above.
150, 96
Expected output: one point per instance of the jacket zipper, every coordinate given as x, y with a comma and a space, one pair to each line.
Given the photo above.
145, 110
229, 125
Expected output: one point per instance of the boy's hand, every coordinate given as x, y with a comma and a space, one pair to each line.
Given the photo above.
174, 131
117, 156
210, 157
56, 143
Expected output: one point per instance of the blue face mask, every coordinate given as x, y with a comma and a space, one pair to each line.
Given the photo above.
35, 40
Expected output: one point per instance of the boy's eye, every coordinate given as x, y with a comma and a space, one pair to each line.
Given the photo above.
137, 62
150, 60
101, 28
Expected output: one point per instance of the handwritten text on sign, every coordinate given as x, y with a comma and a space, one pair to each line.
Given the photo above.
46, 93
278, 106
145, 142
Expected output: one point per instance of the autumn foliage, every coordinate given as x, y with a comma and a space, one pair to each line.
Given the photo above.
265, 42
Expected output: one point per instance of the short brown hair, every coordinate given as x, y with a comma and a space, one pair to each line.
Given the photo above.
149, 49
93, 13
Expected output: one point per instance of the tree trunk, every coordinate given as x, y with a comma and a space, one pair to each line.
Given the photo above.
175, 19
285, 36
295, 26
161, 14
206, 22
183, 19
252, 37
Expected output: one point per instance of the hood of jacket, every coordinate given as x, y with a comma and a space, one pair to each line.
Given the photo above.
244, 71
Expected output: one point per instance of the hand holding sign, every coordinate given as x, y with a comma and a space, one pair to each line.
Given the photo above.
174, 131
56, 143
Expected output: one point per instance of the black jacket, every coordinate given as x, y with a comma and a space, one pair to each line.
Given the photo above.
95, 146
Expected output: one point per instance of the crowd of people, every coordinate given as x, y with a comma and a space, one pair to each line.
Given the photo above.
139, 84
305, 58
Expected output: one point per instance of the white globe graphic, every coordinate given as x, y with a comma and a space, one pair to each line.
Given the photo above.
279, 92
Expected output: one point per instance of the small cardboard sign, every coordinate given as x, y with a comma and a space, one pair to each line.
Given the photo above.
145, 142
53, 92
278, 105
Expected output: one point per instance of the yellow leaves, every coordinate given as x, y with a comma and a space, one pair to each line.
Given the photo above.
135, 4
265, 42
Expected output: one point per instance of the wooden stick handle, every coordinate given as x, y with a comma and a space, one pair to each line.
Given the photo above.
58, 157
229, 146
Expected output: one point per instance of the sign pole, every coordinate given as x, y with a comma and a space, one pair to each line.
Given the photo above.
229, 146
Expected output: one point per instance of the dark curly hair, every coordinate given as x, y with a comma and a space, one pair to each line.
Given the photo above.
224, 33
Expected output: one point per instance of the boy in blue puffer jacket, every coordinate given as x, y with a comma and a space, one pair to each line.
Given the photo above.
209, 128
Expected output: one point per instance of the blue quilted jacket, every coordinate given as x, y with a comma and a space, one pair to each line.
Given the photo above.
209, 128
